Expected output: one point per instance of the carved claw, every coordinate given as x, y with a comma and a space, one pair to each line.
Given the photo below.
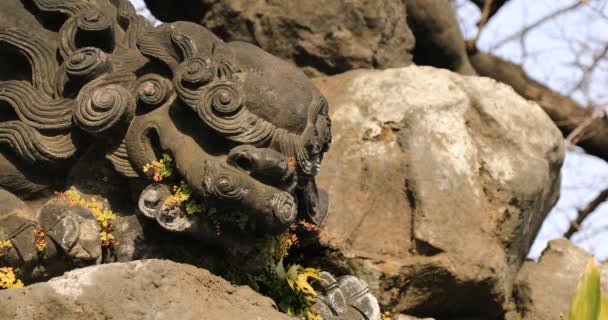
284, 208
74, 229
152, 198
346, 298
172, 218
65, 232
313, 202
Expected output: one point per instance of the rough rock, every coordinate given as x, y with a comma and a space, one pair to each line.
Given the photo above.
322, 37
148, 289
439, 41
438, 184
544, 289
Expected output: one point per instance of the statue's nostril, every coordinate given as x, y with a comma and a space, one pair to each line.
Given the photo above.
244, 162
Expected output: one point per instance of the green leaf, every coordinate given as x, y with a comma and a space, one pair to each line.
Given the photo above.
603, 308
586, 301
280, 271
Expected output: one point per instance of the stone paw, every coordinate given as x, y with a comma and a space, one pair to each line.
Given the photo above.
74, 230
345, 298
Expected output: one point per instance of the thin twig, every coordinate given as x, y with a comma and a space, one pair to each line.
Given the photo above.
485, 15
589, 69
578, 134
521, 33
585, 212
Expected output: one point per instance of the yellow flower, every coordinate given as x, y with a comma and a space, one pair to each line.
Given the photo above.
103, 216
8, 279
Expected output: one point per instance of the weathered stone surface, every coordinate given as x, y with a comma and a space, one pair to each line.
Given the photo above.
438, 185
148, 289
326, 37
544, 289
93, 92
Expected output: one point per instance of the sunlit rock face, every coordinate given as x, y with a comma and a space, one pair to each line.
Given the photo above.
439, 184
545, 288
157, 289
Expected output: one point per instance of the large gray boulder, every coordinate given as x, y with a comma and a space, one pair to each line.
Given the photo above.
322, 37
148, 289
438, 184
544, 289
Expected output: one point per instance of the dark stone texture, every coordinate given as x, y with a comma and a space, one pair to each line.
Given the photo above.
94, 96
321, 37
99, 93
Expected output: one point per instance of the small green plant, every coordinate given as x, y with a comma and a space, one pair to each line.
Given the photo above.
588, 303
289, 286
161, 169
276, 248
40, 239
8, 280
182, 196
5, 246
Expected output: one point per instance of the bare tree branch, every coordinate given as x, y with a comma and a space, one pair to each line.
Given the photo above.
493, 8
485, 15
582, 132
587, 70
585, 212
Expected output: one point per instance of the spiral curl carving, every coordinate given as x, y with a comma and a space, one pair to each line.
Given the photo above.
184, 44
133, 24
224, 98
39, 55
153, 90
68, 7
97, 26
100, 108
33, 147
87, 62
35, 108
211, 88
196, 71
227, 188
190, 78
220, 107
92, 20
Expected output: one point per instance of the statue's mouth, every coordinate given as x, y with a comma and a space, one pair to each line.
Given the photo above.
259, 182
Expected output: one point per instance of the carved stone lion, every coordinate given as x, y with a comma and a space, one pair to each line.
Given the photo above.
246, 131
